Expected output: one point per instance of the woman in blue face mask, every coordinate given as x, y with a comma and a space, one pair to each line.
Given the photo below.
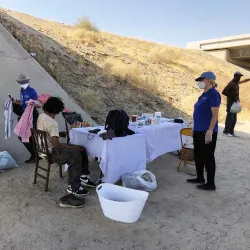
26, 93
205, 130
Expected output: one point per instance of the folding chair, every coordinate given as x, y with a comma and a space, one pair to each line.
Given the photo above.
41, 147
70, 119
185, 146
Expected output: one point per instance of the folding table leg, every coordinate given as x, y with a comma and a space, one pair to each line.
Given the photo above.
101, 175
60, 170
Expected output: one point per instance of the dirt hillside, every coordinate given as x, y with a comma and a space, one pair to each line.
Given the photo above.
103, 71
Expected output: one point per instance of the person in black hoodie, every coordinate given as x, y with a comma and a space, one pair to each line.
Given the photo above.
232, 92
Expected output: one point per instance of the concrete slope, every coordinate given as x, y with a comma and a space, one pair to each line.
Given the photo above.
13, 61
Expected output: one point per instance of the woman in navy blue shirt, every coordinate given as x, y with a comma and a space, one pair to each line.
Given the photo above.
205, 130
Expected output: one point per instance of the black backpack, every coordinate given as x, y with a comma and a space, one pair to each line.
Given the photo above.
118, 121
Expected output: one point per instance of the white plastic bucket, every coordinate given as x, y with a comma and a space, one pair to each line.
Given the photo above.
120, 203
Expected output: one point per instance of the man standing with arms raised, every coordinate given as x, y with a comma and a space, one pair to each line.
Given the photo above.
232, 92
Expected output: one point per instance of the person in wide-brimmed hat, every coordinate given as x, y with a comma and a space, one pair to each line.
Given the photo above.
232, 92
26, 93
205, 130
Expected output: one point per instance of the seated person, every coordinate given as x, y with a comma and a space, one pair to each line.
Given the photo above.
75, 156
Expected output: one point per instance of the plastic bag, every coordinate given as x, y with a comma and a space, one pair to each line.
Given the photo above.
6, 161
236, 107
140, 180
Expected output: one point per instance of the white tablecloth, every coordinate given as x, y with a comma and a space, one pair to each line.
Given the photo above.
160, 139
118, 156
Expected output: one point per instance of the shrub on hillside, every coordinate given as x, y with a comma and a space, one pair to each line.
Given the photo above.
86, 24
85, 36
165, 55
127, 72
91, 100
130, 73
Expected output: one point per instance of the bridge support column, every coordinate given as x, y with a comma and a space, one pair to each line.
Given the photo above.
223, 54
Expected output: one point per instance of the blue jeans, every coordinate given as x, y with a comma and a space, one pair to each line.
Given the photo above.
231, 119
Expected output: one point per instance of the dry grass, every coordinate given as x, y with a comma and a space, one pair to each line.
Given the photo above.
86, 24
198, 61
165, 55
91, 100
130, 73
127, 72
85, 36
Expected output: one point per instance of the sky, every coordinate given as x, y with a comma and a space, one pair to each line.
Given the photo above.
172, 22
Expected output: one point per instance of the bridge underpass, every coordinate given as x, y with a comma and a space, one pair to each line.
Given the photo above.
234, 49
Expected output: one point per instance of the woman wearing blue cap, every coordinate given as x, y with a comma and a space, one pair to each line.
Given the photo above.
205, 130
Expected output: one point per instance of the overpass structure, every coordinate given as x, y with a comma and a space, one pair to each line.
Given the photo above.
13, 61
234, 49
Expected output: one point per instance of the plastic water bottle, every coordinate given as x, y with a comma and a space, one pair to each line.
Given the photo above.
158, 118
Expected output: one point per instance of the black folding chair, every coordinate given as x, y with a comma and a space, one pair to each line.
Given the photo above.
70, 119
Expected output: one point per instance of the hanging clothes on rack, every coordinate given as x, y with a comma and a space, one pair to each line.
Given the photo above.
9, 119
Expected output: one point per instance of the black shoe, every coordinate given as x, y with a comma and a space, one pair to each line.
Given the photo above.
225, 133
71, 201
85, 181
196, 180
81, 192
66, 197
32, 159
207, 186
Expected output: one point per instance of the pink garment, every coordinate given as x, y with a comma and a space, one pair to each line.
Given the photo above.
44, 98
25, 124
67, 110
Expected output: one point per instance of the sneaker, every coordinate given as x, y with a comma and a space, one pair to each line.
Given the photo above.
81, 192
225, 133
207, 186
196, 180
233, 134
70, 201
85, 181
32, 159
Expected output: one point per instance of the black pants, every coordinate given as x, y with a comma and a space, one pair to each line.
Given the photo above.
77, 161
204, 156
18, 110
231, 119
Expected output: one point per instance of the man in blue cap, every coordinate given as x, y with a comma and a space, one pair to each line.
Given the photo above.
232, 92
26, 93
